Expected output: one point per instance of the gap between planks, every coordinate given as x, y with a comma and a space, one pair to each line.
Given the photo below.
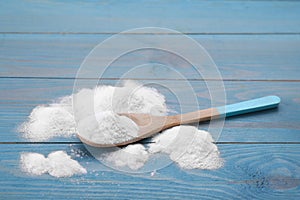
159, 79
133, 33
223, 143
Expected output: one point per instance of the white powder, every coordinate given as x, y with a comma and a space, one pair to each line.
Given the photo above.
111, 128
46, 122
58, 164
62, 165
34, 163
132, 156
189, 147
105, 126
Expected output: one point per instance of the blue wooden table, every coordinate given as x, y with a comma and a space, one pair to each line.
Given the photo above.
255, 44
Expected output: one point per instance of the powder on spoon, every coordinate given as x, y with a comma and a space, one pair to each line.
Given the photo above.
104, 125
111, 128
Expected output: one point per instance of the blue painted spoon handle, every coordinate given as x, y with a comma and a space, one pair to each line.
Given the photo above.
249, 106
226, 111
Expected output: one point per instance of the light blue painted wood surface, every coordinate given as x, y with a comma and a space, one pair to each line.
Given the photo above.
191, 16
255, 44
251, 172
23, 95
243, 57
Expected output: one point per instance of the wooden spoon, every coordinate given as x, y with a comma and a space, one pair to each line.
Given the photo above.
150, 125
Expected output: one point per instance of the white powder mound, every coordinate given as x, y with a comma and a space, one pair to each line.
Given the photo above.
34, 163
103, 125
58, 164
62, 165
130, 98
134, 98
189, 147
133, 156
46, 122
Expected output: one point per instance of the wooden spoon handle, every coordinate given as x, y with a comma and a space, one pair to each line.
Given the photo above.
230, 110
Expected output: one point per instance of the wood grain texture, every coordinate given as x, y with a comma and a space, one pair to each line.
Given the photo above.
185, 16
238, 57
277, 125
255, 44
255, 172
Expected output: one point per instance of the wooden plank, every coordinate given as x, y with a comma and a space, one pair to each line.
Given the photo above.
250, 172
185, 16
20, 96
243, 57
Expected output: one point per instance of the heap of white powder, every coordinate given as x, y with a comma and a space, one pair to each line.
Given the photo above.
189, 147
48, 121
103, 125
57, 164
132, 156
